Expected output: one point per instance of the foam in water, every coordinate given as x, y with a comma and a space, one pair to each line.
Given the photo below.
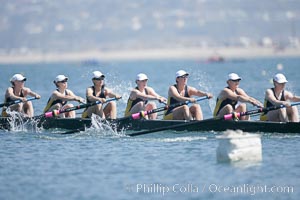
99, 125
239, 146
19, 123
182, 139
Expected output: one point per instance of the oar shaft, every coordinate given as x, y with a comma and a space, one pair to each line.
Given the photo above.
260, 110
149, 112
187, 102
16, 101
79, 107
57, 112
144, 113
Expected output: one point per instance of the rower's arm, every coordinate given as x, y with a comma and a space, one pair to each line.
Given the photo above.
159, 98
91, 97
33, 94
111, 94
242, 96
296, 98
10, 93
174, 93
63, 97
250, 99
270, 97
292, 97
141, 95
199, 93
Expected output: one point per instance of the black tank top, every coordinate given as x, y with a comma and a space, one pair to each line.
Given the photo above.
139, 99
8, 99
220, 104
268, 103
59, 100
101, 95
174, 101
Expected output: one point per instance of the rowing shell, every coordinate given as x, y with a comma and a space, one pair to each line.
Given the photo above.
178, 125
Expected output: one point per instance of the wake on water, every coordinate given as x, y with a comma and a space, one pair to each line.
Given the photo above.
19, 123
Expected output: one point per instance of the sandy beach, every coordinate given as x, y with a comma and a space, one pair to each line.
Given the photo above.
146, 54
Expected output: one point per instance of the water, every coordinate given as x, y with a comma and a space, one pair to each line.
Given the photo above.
97, 164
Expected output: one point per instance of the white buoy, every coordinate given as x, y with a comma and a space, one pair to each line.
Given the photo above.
239, 146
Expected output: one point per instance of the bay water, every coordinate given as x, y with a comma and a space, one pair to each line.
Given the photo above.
99, 164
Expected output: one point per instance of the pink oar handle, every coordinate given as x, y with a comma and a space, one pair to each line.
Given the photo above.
52, 113
231, 115
138, 115
48, 114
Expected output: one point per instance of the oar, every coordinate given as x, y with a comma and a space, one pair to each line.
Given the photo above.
149, 112
57, 112
144, 113
256, 111
73, 131
16, 101
225, 117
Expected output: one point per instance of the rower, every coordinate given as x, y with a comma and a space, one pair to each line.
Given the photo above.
233, 99
99, 92
279, 96
19, 91
181, 92
140, 98
60, 97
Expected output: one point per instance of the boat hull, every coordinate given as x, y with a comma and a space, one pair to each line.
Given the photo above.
178, 125
219, 125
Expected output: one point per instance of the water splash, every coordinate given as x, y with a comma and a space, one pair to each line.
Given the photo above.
20, 123
103, 127
204, 83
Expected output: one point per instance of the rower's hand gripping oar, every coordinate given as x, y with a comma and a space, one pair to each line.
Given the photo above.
16, 101
81, 106
260, 110
166, 107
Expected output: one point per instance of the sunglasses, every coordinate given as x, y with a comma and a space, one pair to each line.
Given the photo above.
98, 79
280, 83
238, 80
183, 76
64, 81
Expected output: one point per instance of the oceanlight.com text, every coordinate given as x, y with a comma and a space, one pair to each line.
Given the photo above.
249, 189
163, 189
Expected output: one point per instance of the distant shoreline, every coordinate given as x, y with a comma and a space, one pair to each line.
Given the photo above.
150, 54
